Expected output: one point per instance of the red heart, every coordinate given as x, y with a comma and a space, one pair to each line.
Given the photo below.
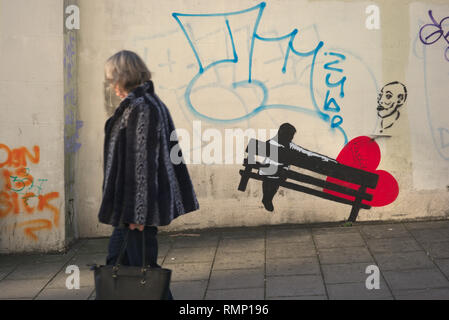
387, 190
364, 153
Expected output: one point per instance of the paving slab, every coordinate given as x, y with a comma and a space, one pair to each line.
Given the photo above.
183, 255
357, 291
236, 233
196, 240
338, 240
164, 239
18, 289
59, 280
50, 258
307, 285
288, 235
431, 235
272, 262
188, 290
68, 254
95, 246
7, 261
345, 255
93, 295
437, 250
344, 273
423, 294
443, 264
415, 279
393, 245
239, 260
335, 230
163, 250
241, 245
385, 231
65, 294
4, 271
35, 271
292, 266
236, 294
290, 250
427, 225
189, 271
236, 279
82, 260
404, 260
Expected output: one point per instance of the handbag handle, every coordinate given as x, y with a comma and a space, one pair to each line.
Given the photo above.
123, 249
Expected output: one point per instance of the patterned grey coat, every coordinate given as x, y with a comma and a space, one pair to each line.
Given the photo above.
141, 184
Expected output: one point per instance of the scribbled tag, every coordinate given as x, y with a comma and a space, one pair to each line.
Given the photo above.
364, 153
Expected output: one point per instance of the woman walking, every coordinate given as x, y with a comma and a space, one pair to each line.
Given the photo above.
142, 187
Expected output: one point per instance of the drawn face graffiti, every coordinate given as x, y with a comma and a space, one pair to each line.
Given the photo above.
391, 97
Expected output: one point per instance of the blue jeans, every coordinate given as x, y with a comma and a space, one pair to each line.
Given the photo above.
133, 253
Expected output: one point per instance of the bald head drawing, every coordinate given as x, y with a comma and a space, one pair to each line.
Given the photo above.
392, 96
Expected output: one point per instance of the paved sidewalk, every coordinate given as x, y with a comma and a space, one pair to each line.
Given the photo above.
273, 262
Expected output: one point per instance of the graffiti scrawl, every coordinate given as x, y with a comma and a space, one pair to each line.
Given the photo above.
249, 81
22, 193
432, 32
429, 35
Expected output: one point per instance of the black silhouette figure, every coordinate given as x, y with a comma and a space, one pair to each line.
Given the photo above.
271, 182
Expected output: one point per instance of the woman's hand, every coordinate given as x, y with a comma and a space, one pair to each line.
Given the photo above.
139, 227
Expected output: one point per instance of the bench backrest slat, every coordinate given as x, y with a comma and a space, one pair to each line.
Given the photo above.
315, 164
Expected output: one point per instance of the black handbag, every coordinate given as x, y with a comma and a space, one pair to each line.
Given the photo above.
121, 282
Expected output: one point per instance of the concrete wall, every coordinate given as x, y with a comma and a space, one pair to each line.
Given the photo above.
32, 129
414, 150
53, 95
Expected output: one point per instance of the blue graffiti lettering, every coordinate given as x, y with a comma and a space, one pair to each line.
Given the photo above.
249, 82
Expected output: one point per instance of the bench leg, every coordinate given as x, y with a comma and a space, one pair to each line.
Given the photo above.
354, 213
243, 181
251, 159
356, 206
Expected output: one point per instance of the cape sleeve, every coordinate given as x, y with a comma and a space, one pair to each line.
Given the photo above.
140, 164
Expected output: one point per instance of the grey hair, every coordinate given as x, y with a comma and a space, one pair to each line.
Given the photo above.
126, 69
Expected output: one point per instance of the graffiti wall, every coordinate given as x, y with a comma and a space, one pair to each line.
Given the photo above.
31, 131
429, 71
22, 194
350, 77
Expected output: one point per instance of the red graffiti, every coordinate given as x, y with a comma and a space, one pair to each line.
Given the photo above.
364, 153
43, 204
18, 157
9, 203
18, 189
39, 224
